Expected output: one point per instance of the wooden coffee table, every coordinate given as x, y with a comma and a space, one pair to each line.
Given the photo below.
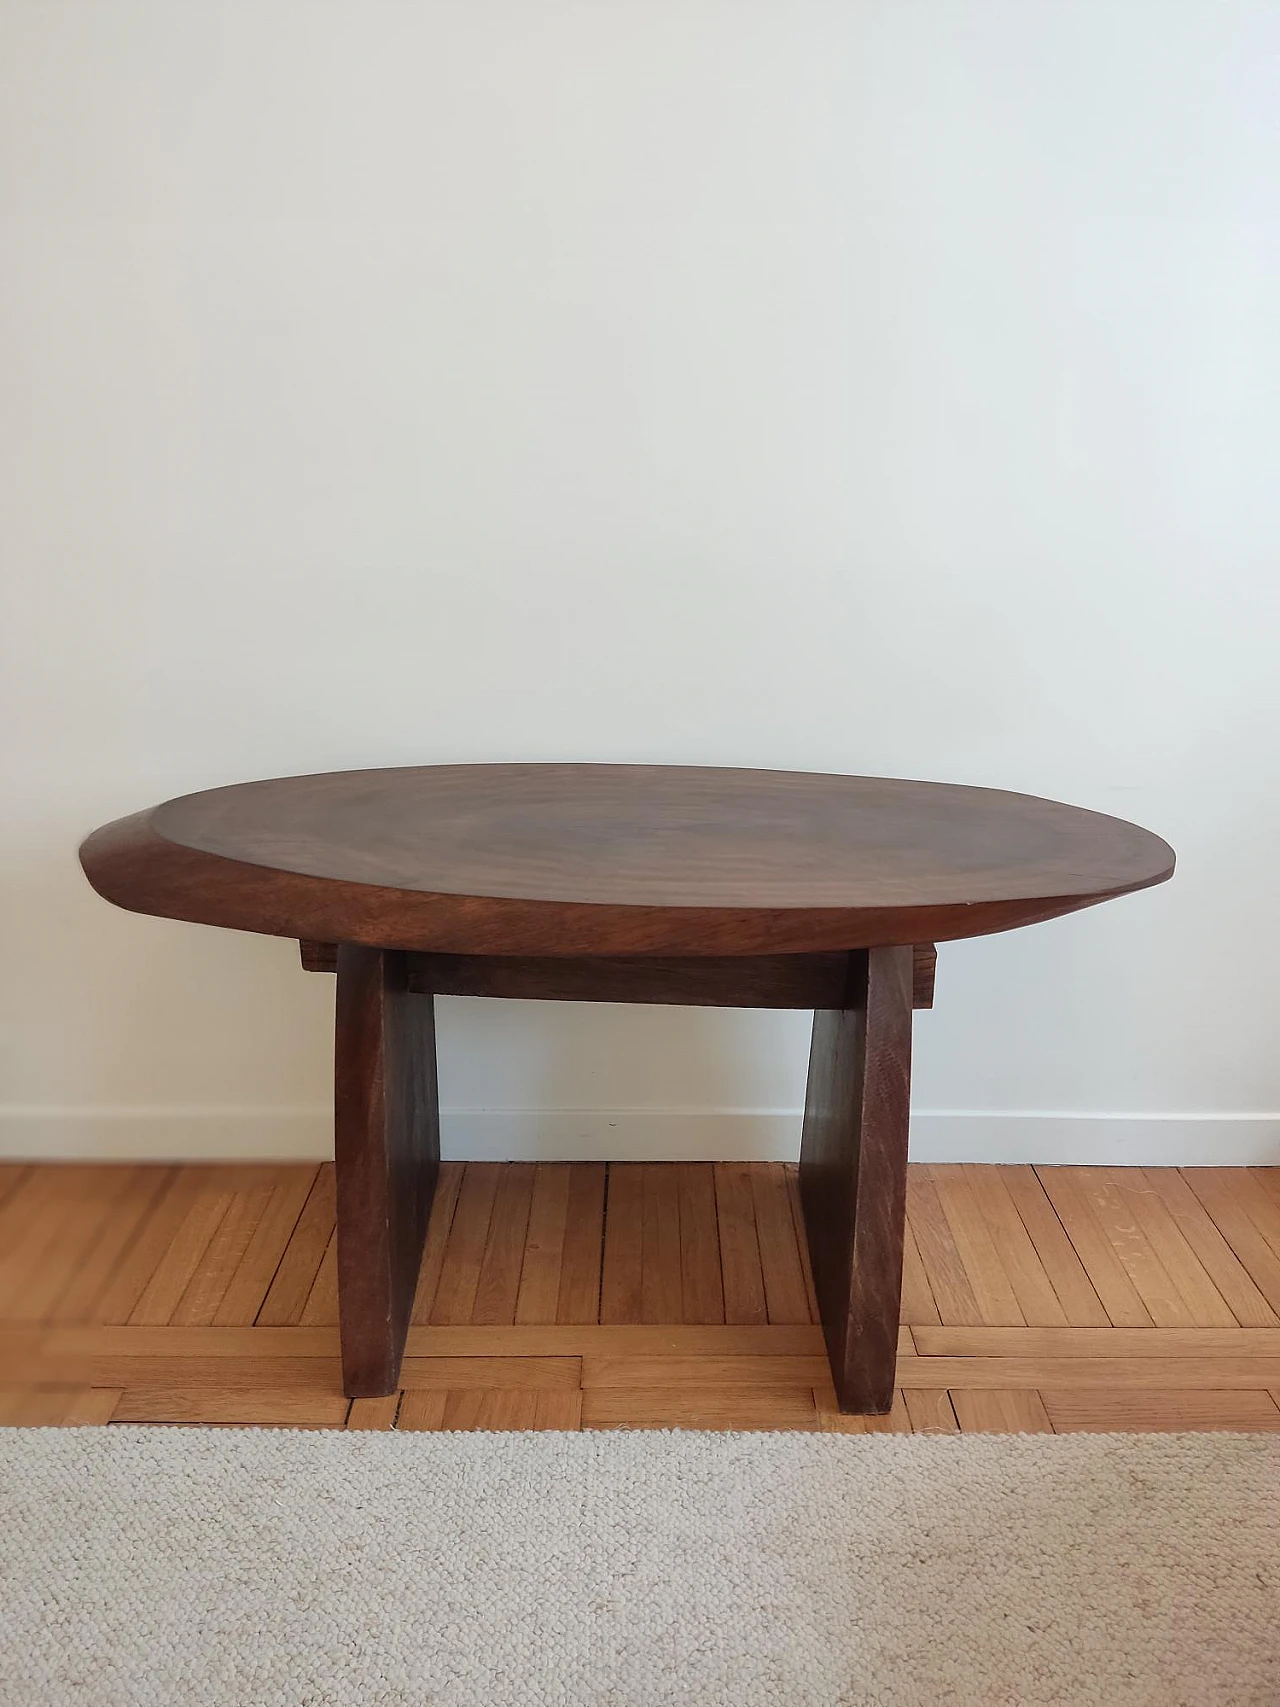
621, 883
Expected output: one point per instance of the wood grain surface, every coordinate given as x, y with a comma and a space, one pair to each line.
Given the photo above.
387, 1150
616, 860
853, 1172
728, 981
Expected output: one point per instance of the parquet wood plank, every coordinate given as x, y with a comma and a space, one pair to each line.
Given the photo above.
33, 1407
917, 1296
539, 1291
558, 1410
1097, 1342
55, 1350
1153, 1410
455, 1296
421, 1412
264, 1407
1215, 1255
1057, 1254
930, 1411
831, 1420
943, 1266
1114, 1211
212, 1276
191, 1239
621, 1281
1107, 1274
62, 1234
533, 1373
443, 1205
742, 1275
321, 1307
40, 1262
1093, 1372
26, 1224
316, 1375
496, 1408
1256, 1190
786, 1300
295, 1274
12, 1175
802, 1242
701, 1286
1001, 1411
33, 1184
982, 1262
248, 1287
20, 1345
89, 1283
709, 1373
686, 1407
89, 1407
1268, 1178
55, 1407
376, 1414
1032, 1287
661, 1276
460, 1411
172, 1253
1207, 1306
621, 1339
44, 1228
1258, 1203
1213, 1189
498, 1286
488, 1409
580, 1269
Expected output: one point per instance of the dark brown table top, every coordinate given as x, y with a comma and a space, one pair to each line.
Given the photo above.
616, 859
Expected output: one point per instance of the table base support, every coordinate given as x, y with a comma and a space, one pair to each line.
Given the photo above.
853, 1155
387, 1153
853, 1173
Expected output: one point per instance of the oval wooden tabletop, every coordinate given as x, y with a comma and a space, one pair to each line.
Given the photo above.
616, 859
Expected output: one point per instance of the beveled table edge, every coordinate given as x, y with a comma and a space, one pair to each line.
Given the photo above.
129, 863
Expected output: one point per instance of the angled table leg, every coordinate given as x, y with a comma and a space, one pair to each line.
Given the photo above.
387, 1150
853, 1172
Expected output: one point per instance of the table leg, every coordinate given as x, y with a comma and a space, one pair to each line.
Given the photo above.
387, 1151
853, 1172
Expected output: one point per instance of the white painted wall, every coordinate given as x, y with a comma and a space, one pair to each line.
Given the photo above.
866, 385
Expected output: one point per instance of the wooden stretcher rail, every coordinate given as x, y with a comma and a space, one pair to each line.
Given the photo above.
740, 981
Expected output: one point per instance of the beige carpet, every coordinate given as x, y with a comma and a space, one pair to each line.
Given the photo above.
276, 1569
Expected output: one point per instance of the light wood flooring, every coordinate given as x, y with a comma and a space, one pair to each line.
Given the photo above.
642, 1295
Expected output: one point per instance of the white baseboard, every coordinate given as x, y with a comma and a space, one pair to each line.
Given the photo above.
1097, 1140
649, 1134
154, 1134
